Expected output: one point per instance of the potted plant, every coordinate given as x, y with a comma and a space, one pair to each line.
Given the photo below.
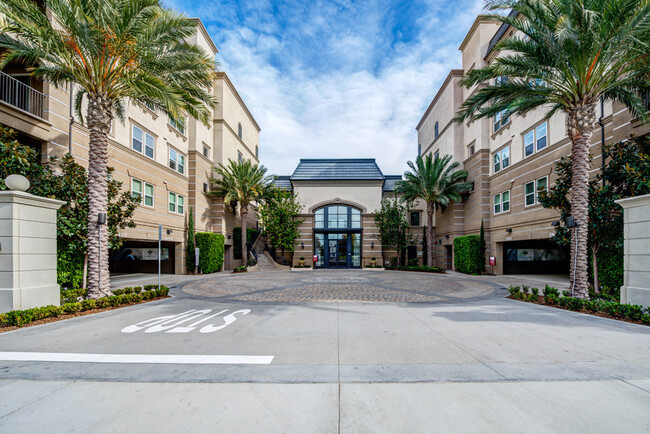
373, 261
302, 261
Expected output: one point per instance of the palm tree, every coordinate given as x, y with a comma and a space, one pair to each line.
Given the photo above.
569, 55
113, 50
241, 182
436, 182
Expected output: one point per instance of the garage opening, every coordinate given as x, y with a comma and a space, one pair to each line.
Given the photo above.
142, 257
535, 257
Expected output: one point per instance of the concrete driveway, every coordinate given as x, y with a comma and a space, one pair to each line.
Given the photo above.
323, 351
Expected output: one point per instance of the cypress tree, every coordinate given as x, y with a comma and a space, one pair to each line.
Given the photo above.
191, 263
483, 248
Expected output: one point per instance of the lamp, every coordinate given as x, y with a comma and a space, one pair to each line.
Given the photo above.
302, 245
570, 222
555, 223
447, 236
509, 230
372, 244
169, 231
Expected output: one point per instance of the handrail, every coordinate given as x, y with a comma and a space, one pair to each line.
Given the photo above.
276, 258
21, 96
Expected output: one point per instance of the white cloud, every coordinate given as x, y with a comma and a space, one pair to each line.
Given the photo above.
321, 88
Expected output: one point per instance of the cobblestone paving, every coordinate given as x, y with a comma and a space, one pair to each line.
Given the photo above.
339, 285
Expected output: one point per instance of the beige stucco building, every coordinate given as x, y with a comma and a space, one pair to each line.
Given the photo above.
508, 161
339, 198
166, 162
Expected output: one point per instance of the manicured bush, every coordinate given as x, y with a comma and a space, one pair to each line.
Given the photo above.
210, 251
468, 254
236, 240
413, 262
240, 269
72, 295
532, 297
514, 289
610, 269
421, 268
88, 304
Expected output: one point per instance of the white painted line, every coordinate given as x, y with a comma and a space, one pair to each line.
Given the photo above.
136, 358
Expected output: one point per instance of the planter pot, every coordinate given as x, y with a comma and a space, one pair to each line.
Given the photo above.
302, 269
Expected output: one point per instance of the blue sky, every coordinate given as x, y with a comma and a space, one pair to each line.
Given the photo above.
336, 79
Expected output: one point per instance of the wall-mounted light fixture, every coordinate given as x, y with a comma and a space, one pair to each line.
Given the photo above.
169, 231
447, 236
372, 244
302, 245
229, 236
556, 223
509, 230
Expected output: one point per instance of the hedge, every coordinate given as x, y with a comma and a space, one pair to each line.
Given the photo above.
468, 254
236, 240
210, 251
23, 317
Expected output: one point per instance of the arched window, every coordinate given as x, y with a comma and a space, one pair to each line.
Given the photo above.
337, 217
435, 130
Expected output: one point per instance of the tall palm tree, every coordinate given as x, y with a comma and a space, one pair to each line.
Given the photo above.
569, 55
436, 182
241, 182
112, 50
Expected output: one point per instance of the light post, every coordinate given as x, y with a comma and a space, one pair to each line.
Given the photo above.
101, 221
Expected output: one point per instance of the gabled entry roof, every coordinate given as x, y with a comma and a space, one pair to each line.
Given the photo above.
337, 169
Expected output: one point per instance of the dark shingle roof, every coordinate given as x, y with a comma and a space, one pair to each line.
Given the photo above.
391, 182
337, 169
283, 182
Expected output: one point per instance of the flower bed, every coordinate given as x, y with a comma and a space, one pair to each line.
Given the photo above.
74, 302
604, 308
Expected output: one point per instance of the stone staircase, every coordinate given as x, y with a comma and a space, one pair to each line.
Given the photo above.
264, 261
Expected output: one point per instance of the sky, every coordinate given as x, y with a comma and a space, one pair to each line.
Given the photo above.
336, 79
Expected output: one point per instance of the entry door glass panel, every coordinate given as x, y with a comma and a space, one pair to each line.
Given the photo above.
356, 249
343, 250
333, 251
320, 249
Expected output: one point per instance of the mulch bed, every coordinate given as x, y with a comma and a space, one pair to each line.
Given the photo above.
540, 300
7, 328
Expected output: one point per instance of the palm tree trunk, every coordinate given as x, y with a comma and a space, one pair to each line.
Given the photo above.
581, 122
430, 234
99, 121
244, 235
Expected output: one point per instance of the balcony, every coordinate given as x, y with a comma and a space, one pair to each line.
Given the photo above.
15, 92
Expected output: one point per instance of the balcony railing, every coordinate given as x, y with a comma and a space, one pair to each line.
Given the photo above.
20, 95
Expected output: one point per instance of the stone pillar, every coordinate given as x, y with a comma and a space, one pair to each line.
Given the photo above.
27, 251
636, 231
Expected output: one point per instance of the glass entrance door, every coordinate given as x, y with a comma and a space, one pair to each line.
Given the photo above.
337, 252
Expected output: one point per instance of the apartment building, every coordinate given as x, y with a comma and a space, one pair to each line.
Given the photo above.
166, 162
509, 160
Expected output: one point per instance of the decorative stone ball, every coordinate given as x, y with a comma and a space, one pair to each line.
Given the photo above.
17, 182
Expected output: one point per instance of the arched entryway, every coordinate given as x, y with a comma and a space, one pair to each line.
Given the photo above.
337, 237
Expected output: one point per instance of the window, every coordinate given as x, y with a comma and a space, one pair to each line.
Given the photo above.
240, 156
257, 151
239, 130
206, 151
177, 124
535, 140
337, 217
176, 203
137, 191
415, 218
502, 202
142, 139
176, 161
419, 149
501, 159
436, 155
471, 149
500, 119
149, 105
532, 189
435, 130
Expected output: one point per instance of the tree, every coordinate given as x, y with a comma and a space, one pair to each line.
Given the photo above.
626, 174
66, 180
278, 215
483, 247
569, 55
392, 222
438, 183
113, 50
191, 245
241, 182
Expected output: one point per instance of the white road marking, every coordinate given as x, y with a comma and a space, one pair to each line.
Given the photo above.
136, 358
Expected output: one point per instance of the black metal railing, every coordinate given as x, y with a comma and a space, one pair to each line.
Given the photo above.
20, 95
277, 258
251, 248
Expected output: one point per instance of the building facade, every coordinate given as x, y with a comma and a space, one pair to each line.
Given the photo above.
339, 198
509, 161
166, 162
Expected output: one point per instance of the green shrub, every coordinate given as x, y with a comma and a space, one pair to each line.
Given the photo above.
532, 297
610, 269
118, 291
71, 308
72, 295
137, 298
525, 288
468, 254
566, 293
413, 262
149, 287
240, 269
162, 292
236, 240
551, 299
549, 290
513, 289
392, 264
210, 251
534, 291
88, 304
421, 268
137, 289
